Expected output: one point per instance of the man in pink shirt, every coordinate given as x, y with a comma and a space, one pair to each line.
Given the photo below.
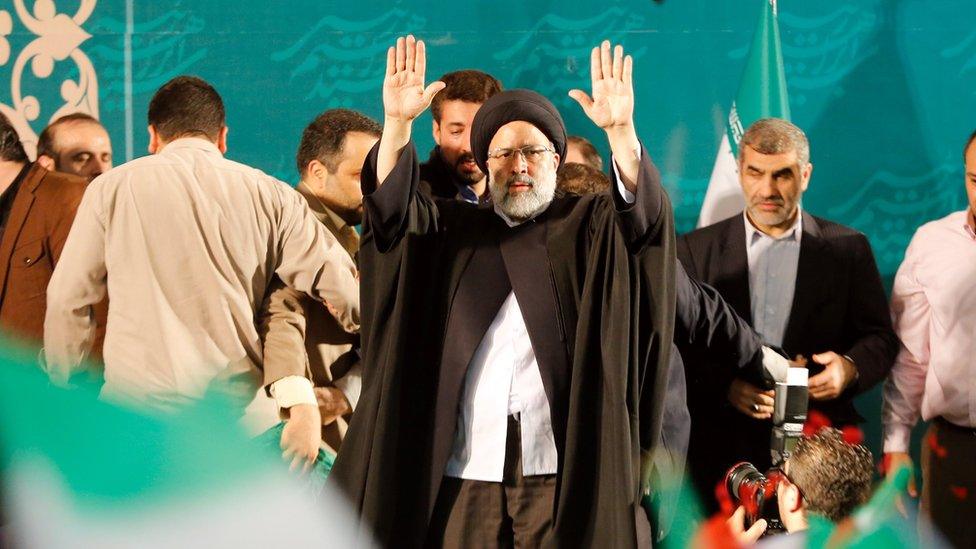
933, 305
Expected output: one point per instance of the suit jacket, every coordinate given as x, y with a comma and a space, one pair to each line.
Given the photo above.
300, 337
40, 219
839, 305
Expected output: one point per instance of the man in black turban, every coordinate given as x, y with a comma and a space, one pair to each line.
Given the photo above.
517, 405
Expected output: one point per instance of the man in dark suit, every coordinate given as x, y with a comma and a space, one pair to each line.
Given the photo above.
805, 284
37, 208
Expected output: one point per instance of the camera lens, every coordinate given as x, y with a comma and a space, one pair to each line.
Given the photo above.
742, 473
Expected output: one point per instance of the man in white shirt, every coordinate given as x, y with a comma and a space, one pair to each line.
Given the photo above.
933, 304
186, 242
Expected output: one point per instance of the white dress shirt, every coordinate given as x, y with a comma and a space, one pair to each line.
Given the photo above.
773, 263
503, 378
933, 306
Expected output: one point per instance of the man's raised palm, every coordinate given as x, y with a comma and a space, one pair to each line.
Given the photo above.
404, 95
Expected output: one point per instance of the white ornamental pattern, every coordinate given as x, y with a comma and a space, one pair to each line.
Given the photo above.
57, 38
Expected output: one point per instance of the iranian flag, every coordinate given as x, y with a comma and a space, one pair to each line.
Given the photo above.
762, 94
79, 472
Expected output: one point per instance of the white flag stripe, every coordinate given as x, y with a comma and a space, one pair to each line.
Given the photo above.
723, 198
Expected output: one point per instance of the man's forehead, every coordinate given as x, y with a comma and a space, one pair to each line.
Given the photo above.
752, 157
518, 132
80, 132
458, 111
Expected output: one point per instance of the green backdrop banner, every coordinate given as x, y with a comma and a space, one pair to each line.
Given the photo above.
884, 88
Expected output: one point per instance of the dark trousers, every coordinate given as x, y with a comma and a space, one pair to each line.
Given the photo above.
949, 481
516, 512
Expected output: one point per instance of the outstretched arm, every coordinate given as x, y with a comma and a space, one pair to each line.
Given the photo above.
639, 198
612, 107
395, 208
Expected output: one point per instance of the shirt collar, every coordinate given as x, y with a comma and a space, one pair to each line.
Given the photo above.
754, 235
970, 225
321, 212
199, 143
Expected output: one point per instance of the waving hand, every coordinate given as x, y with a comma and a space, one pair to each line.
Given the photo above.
404, 94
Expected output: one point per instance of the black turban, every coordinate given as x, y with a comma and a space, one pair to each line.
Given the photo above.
509, 106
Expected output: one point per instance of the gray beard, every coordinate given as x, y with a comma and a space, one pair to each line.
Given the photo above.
524, 205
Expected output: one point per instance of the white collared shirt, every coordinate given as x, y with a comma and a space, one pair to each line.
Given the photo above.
773, 263
503, 378
933, 306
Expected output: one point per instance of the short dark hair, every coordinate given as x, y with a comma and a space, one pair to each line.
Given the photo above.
467, 85
969, 142
833, 476
590, 154
11, 149
776, 136
186, 106
324, 138
45, 143
581, 179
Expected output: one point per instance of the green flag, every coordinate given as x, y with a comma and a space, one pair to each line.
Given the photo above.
762, 93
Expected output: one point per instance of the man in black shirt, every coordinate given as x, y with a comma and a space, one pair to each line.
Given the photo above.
451, 171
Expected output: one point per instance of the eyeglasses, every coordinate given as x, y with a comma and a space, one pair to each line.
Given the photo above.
531, 153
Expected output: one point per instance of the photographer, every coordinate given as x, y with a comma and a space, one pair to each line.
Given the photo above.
825, 476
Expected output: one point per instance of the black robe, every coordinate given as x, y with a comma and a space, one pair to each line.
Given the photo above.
605, 270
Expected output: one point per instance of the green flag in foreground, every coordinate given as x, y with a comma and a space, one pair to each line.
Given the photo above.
762, 94
82, 473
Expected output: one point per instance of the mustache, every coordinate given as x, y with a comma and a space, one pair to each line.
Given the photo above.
778, 200
520, 178
465, 157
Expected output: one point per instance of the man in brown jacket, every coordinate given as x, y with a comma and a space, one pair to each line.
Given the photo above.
298, 334
36, 211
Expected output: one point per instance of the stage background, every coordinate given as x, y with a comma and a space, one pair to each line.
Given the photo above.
883, 88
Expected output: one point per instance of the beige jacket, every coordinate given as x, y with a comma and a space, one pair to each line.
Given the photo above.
186, 243
299, 334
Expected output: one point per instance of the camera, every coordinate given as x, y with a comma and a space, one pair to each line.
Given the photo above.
755, 491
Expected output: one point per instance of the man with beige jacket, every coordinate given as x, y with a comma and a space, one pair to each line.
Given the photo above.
187, 242
296, 332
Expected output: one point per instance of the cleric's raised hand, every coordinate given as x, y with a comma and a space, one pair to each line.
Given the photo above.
404, 94
612, 101
612, 107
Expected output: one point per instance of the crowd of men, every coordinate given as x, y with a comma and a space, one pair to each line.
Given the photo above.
504, 344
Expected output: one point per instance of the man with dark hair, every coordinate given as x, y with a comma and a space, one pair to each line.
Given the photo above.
77, 144
451, 171
297, 332
581, 179
186, 242
805, 284
933, 302
579, 150
37, 208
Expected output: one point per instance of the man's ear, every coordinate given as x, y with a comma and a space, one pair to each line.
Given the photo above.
154, 142
790, 495
807, 172
46, 162
435, 130
315, 175
222, 140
